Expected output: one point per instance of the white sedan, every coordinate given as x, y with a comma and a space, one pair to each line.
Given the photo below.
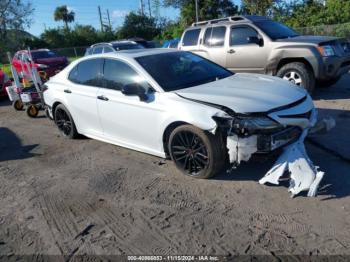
175, 104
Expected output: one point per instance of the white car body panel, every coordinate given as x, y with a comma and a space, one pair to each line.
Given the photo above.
246, 93
140, 125
129, 122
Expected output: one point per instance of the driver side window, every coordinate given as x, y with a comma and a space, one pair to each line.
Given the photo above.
239, 35
116, 74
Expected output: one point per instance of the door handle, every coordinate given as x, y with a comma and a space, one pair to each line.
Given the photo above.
231, 51
103, 98
67, 91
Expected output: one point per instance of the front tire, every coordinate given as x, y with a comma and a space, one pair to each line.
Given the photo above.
64, 122
299, 74
195, 152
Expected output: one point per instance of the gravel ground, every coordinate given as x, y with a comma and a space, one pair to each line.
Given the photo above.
60, 196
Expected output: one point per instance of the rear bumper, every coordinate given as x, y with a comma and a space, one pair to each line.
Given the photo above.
334, 67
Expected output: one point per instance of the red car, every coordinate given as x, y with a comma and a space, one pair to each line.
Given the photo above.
4, 82
47, 62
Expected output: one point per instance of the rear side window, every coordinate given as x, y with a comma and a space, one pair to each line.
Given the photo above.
215, 36
88, 51
191, 37
239, 35
98, 50
107, 49
87, 73
116, 74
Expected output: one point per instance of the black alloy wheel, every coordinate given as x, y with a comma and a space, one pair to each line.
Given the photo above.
195, 152
190, 153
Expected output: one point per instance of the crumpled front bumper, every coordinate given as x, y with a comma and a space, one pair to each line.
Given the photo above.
304, 176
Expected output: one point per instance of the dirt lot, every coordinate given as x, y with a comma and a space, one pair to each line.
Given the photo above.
59, 196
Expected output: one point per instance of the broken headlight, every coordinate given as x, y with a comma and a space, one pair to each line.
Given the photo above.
250, 125
247, 125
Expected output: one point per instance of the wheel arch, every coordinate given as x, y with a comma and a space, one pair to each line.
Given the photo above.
54, 105
166, 134
288, 60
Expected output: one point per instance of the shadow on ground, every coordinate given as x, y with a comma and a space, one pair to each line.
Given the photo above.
11, 147
341, 90
330, 151
4, 101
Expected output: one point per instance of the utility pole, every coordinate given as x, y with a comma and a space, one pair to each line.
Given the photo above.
109, 21
149, 8
196, 1
141, 7
99, 13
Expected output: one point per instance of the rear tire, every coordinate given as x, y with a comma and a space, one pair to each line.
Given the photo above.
299, 74
196, 153
64, 122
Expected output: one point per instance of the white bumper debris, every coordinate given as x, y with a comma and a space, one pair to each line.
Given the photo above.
241, 149
303, 174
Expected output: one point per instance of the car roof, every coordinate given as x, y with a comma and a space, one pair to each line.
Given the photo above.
122, 42
35, 50
239, 19
133, 53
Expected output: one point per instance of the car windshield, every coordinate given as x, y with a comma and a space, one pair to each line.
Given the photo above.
127, 46
43, 54
179, 70
276, 30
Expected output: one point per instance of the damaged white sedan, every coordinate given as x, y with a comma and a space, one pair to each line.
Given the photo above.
176, 104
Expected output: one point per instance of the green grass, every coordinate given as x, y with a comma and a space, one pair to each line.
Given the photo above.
6, 69
72, 58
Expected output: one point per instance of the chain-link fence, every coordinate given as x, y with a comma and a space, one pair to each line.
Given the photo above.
338, 30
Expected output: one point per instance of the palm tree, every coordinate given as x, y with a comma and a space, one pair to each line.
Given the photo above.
63, 14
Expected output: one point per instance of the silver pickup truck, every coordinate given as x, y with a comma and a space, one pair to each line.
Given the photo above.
257, 44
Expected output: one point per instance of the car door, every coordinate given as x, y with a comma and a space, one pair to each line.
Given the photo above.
243, 55
125, 119
212, 46
81, 95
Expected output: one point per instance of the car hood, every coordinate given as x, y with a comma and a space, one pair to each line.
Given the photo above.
309, 39
246, 93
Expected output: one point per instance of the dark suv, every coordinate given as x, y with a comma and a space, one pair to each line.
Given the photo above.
260, 45
101, 48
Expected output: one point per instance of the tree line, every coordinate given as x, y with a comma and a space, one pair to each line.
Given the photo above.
16, 15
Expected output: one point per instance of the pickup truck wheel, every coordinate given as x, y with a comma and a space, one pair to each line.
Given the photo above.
195, 152
64, 122
299, 74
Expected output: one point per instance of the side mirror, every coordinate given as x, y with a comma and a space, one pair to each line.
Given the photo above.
135, 89
255, 40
